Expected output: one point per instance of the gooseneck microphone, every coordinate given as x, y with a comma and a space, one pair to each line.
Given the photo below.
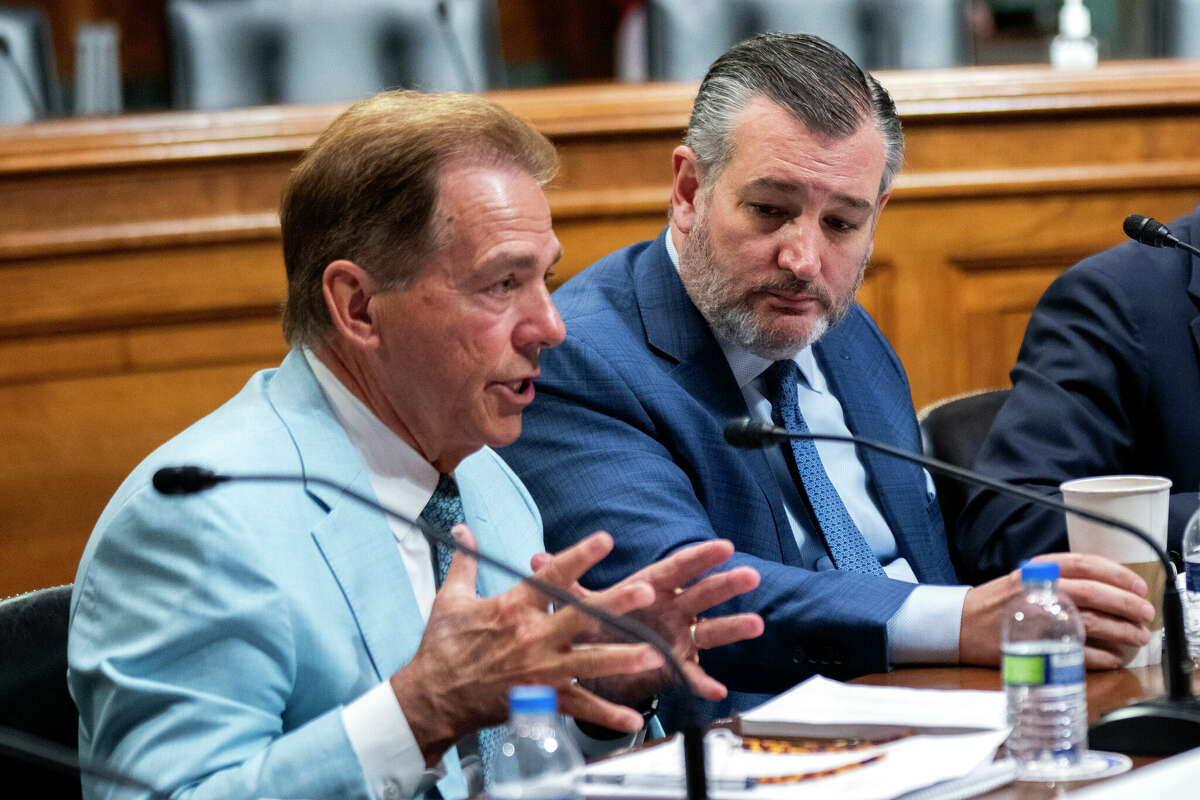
1149, 231
185, 480
1161, 726
36, 750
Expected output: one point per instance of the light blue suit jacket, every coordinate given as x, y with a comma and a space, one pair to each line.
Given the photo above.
626, 435
215, 638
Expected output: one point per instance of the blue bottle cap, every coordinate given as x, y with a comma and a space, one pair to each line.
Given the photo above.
532, 700
1039, 571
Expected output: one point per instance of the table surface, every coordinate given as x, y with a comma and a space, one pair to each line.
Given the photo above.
1106, 691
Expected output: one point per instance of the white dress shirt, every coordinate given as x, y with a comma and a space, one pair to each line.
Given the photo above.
925, 628
401, 479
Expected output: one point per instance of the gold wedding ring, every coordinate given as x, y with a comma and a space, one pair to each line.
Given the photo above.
692, 633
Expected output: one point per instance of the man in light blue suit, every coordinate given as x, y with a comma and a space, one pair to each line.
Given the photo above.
745, 306
281, 640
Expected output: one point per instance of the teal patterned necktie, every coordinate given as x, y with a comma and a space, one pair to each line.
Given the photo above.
843, 540
443, 511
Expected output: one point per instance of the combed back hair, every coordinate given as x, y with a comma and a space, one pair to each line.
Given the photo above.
366, 191
817, 83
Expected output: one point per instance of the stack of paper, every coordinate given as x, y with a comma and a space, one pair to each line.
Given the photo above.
907, 739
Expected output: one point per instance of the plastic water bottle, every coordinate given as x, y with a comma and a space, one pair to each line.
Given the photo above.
1191, 595
537, 759
1043, 677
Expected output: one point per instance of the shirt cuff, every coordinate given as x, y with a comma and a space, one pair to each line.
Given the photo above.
924, 630
387, 751
595, 748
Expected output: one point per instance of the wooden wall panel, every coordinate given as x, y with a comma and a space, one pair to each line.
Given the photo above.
142, 272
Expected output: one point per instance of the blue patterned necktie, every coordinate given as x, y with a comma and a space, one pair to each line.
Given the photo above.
443, 511
843, 540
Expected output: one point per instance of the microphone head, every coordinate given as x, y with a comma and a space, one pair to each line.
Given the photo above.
1147, 230
749, 434
185, 480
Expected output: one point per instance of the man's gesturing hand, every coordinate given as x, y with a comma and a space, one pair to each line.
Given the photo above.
678, 600
474, 649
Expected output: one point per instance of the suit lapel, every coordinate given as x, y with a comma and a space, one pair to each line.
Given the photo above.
678, 333
1194, 292
898, 487
355, 541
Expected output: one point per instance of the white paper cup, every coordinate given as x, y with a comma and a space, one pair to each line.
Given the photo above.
1142, 501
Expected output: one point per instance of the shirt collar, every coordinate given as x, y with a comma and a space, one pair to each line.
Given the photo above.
409, 477
747, 366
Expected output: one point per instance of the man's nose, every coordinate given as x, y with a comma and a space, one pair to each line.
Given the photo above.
542, 326
799, 250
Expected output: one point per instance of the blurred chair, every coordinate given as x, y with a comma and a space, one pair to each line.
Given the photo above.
33, 686
232, 53
917, 34
28, 80
1181, 28
685, 36
97, 68
953, 430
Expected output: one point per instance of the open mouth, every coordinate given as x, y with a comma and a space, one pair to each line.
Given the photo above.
521, 389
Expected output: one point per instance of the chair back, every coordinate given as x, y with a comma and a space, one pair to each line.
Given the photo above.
953, 430
234, 53
683, 37
28, 80
34, 697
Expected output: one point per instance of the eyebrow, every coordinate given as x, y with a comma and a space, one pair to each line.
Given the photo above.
523, 261
774, 184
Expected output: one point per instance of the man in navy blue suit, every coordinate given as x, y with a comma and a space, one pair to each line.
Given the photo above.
745, 305
1106, 382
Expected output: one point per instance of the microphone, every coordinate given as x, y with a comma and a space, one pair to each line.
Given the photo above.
36, 750
1161, 726
1149, 231
184, 480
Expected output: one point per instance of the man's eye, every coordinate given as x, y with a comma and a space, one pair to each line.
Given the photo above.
764, 210
505, 285
841, 225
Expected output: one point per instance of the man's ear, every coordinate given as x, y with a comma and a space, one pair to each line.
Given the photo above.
883, 201
348, 288
685, 188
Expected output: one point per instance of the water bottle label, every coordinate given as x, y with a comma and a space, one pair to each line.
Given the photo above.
1192, 568
1043, 669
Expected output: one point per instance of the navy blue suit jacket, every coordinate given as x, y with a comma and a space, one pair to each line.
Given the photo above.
1107, 382
625, 435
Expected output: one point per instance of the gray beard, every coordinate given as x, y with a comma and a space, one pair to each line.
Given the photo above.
729, 314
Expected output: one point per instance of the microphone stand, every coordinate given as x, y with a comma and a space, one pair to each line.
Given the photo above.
36, 750
191, 480
1160, 726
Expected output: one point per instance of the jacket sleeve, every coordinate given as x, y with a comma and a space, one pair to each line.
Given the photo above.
611, 445
1079, 385
181, 661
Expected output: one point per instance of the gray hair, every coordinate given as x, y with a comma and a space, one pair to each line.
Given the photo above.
816, 82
